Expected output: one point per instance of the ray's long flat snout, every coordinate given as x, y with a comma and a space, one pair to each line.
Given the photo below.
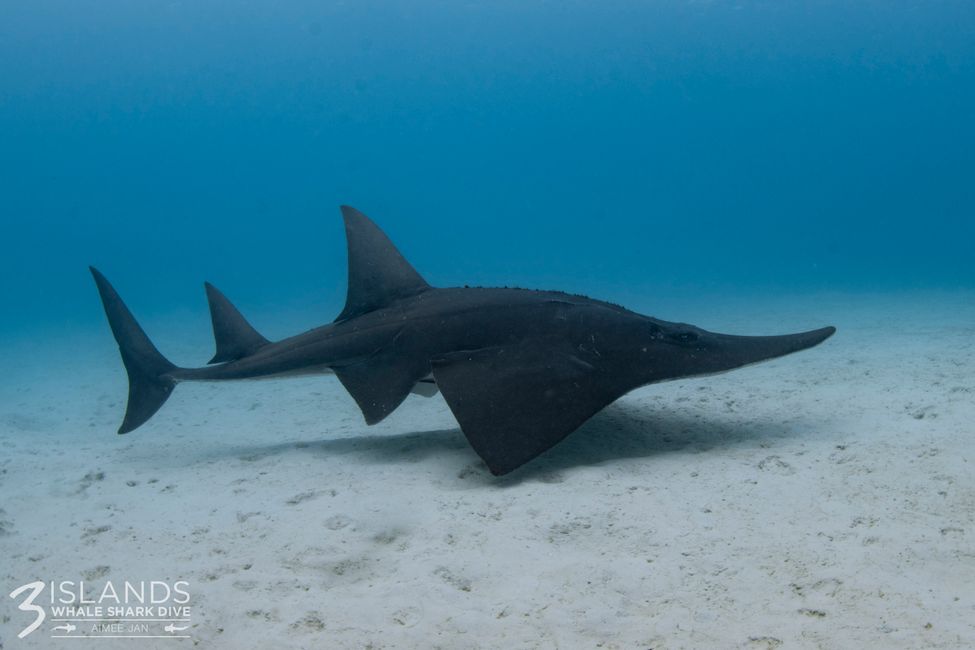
740, 351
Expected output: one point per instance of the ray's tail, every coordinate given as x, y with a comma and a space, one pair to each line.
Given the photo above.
150, 383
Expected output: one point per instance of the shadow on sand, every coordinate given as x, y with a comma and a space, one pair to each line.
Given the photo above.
621, 431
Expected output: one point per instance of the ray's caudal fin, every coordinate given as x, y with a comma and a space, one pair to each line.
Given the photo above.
149, 381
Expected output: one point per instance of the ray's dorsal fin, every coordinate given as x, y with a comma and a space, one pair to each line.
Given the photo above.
378, 273
234, 336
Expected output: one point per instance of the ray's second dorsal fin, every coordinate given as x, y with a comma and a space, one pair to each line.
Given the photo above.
378, 273
234, 336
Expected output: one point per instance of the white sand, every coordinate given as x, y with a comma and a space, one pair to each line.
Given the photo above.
824, 500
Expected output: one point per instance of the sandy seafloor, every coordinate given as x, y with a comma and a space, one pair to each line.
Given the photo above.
823, 500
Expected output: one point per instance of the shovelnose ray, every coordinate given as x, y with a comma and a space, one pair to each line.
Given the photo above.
520, 369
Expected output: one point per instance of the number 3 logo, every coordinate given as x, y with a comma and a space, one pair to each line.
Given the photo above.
29, 606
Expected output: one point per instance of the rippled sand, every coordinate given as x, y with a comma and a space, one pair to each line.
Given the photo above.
822, 500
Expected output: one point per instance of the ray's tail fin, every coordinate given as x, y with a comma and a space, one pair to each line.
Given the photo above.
149, 381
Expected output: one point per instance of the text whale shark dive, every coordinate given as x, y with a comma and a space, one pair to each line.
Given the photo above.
519, 369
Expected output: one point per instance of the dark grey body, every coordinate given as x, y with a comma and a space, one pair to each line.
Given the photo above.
431, 324
635, 349
441, 321
519, 368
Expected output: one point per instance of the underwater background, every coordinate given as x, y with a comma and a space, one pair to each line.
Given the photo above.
613, 148
749, 167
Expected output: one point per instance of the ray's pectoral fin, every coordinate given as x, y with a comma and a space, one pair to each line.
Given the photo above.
515, 402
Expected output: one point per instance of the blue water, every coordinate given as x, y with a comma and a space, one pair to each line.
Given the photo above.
626, 146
